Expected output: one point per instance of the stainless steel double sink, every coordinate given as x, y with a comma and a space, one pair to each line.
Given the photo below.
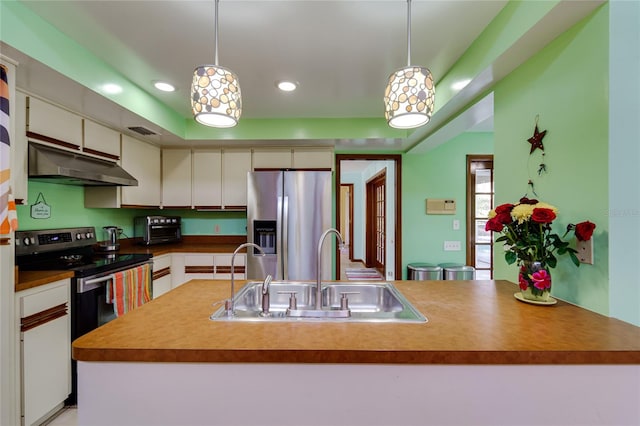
367, 302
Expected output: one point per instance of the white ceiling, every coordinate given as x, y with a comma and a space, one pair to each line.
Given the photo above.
341, 52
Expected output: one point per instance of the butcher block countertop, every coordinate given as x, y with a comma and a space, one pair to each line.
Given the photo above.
469, 322
189, 244
30, 279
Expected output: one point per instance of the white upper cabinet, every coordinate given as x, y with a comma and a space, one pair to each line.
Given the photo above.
236, 163
313, 158
142, 160
51, 122
271, 158
176, 178
101, 140
207, 179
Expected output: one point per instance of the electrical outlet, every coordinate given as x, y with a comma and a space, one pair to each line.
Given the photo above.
452, 246
216, 229
456, 224
585, 251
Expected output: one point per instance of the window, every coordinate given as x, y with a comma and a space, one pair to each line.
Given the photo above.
480, 198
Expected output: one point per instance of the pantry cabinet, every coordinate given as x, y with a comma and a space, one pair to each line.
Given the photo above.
176, 178
236, 163
207, 179
220, 178
45, 349
142, 161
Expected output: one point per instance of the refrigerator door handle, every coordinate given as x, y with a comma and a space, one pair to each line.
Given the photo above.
284, 241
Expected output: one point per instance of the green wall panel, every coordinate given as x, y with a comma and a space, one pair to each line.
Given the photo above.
67, 210
565, 85
439, 173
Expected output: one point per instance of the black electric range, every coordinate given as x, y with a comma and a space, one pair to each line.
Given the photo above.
69, 249
72, 249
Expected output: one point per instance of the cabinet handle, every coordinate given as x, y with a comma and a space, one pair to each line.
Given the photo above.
42, 317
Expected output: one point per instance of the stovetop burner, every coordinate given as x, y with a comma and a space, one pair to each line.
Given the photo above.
68, 249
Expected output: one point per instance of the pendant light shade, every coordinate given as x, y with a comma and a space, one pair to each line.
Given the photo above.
215, 92
410, 93
215, 96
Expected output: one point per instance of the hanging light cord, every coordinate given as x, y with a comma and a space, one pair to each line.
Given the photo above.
408, 33
216, 35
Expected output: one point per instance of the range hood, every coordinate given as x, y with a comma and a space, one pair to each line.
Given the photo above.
54, 165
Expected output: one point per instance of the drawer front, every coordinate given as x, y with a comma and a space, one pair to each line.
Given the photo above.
161, 262
55, 294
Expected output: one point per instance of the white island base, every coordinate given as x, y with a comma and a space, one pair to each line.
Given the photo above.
124, 393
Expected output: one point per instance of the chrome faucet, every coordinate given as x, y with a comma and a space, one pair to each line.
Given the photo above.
265, 295
231, 304
319, 264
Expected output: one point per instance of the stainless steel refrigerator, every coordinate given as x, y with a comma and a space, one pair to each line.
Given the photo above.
287, 212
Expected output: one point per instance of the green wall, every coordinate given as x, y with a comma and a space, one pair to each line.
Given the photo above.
624, 157
566, 86
439, 173
67, 210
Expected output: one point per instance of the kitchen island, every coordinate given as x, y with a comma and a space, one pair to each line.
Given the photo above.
483, 357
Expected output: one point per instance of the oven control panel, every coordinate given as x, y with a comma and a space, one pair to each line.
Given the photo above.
43, 240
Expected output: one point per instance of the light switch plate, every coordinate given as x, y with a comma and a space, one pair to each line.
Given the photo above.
456, 224
585, 251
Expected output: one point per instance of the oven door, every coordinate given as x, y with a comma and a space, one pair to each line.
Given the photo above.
91, 309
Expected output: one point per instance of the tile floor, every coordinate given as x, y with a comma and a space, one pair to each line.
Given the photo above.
346, 263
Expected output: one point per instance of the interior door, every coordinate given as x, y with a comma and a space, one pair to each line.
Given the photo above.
376, 222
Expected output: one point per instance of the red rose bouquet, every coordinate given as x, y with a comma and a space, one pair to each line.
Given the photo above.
527, 234
528, 238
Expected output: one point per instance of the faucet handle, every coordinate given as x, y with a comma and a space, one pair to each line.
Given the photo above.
344, 299
293, 301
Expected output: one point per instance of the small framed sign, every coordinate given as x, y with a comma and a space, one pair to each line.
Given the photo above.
40, 209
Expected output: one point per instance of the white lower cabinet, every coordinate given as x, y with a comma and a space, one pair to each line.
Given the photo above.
208, 266
161, 275
45, 350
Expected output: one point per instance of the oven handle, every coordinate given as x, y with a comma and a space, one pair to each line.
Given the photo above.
88, 284
85, 285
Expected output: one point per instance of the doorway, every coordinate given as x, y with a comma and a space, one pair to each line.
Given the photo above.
346, 219
392, 237
480, 200
376, 224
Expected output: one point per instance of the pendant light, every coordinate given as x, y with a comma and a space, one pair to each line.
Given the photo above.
215, 92
410, 93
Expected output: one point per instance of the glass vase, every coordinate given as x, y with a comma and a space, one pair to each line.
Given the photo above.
534, 279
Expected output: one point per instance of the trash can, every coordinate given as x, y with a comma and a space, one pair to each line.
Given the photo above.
459, 273
449, 265
424, 271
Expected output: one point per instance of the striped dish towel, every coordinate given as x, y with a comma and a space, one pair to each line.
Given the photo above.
130, 289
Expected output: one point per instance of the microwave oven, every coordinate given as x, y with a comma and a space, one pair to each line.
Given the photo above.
150, 230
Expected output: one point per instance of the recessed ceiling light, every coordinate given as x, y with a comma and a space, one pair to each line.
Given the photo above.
459, 85
287, 86
164, 86
112, 88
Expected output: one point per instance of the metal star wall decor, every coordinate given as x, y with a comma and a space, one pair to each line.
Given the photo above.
536, 139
